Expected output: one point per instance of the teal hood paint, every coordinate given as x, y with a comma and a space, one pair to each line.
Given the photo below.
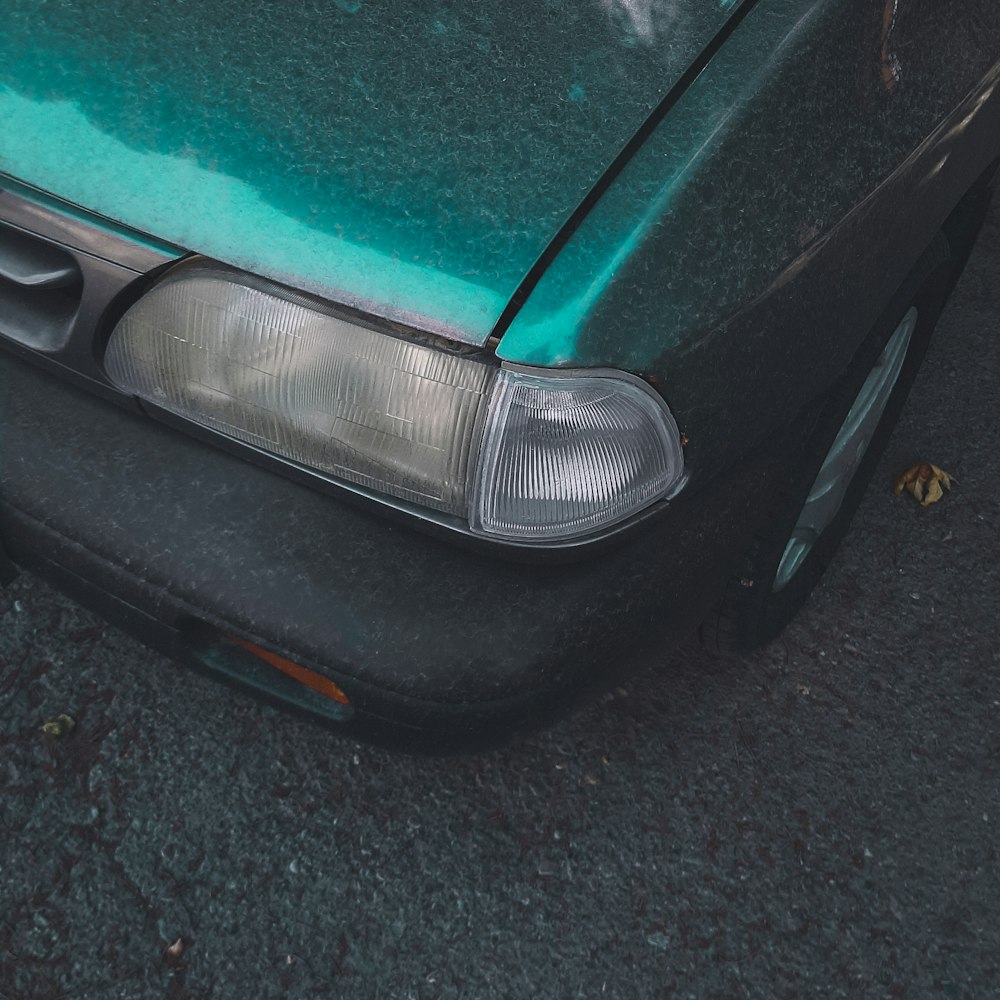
410, 159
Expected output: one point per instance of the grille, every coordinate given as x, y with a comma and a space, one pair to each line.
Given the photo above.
41, 288
60, 270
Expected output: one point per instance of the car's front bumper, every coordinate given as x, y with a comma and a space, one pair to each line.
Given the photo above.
184, 545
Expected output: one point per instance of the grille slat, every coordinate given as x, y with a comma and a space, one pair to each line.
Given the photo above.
26, 261
41, 287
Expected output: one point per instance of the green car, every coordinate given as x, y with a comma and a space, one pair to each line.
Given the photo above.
424, 366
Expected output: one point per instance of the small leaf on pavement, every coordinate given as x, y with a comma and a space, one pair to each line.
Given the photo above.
924, 483
61, 725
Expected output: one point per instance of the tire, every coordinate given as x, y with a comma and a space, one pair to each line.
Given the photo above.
829, 475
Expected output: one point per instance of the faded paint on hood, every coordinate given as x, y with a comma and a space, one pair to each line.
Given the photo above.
409, 159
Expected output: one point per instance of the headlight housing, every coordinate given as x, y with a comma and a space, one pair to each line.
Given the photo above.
568, 453
512, 453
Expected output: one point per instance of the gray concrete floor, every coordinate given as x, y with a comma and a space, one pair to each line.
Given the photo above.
818, 820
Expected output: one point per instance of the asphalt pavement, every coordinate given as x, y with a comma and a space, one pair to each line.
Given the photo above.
820, 820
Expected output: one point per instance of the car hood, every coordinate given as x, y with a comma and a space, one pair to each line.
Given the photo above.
410, 159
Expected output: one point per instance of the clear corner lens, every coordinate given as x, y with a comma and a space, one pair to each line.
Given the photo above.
250, 361
564, 456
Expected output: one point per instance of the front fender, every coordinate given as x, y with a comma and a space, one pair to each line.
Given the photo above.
744, 251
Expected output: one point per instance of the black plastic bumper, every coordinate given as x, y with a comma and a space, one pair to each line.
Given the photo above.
184, 544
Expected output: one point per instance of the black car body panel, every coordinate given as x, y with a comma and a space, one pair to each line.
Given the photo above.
733, 246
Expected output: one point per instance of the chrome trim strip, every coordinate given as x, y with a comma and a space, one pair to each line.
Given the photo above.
71, 228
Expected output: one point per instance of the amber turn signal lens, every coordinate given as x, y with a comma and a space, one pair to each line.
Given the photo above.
309, 678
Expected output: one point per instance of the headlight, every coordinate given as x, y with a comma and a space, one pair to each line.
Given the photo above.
516, 454
565, 455
264, 366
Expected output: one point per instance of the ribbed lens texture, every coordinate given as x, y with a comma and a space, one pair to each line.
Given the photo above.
567, 456
389, 415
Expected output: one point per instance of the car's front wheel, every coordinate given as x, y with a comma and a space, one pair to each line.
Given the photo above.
832, 471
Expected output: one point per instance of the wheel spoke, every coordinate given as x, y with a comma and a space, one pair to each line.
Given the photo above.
845, 454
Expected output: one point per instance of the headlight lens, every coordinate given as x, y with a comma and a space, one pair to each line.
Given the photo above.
565, 455
519, 454
255, 362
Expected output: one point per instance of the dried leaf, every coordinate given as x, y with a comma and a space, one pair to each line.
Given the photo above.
924, 483
61, 725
